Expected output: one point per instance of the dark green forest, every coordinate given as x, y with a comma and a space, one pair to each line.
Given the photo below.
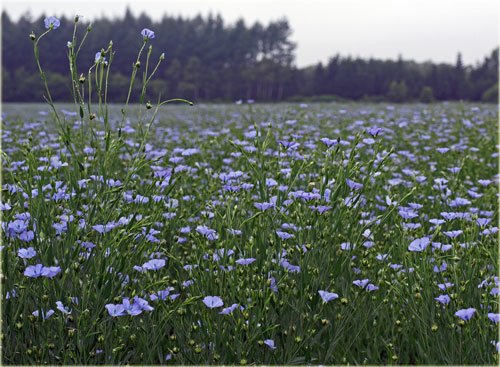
207, 59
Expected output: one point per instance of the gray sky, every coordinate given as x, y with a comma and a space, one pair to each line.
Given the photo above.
417, 29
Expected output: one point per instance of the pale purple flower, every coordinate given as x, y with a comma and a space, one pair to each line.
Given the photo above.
484, 182
320, 208
494, 317
441, 268
371, 287
34, 271
419, 244
142, 304
246, 261
374, 131
284, 235
329, 142
229, 310
270, 343
289, 144
51, 271
104, 228
353, 185
209, 233
483, 222
453, 234
443, 299
445, 285
27, 236
115, 310
291, 268
213, 301
361, 283
154, 264
51, 22
465, 313
63, 309
26, 253
264, 206
346, 246
45, 315
147, 34
273, 285
328, 296
132, 309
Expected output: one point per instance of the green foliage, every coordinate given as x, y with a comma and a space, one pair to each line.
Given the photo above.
397, 91
215, 60
426, 95
491, 95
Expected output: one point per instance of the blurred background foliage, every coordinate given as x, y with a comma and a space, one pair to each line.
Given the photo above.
210, 60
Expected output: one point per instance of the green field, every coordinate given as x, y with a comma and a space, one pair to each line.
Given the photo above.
251, 234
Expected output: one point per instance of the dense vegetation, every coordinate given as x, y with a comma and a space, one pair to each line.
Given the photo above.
207, 59
281, 234
245, 233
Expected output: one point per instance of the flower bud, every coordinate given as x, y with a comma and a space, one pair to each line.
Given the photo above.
137, 64
149, 105
162, 56
32, 35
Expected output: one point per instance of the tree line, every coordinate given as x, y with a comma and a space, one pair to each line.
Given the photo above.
210, 60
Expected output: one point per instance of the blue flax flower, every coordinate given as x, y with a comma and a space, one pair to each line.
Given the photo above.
284, 235
63, 309
328, 296
229, 310
52, 22
453, 234
26, 253
419, 244
147, 34
246, 261
465, 313
213, 301
45, 315
353, 185
270, 343
34, 271
443, 299
154, 264
494, 317
115, 310
361, 282
51, 271
209, 233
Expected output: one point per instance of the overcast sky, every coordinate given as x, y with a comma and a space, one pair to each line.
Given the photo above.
417, 29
